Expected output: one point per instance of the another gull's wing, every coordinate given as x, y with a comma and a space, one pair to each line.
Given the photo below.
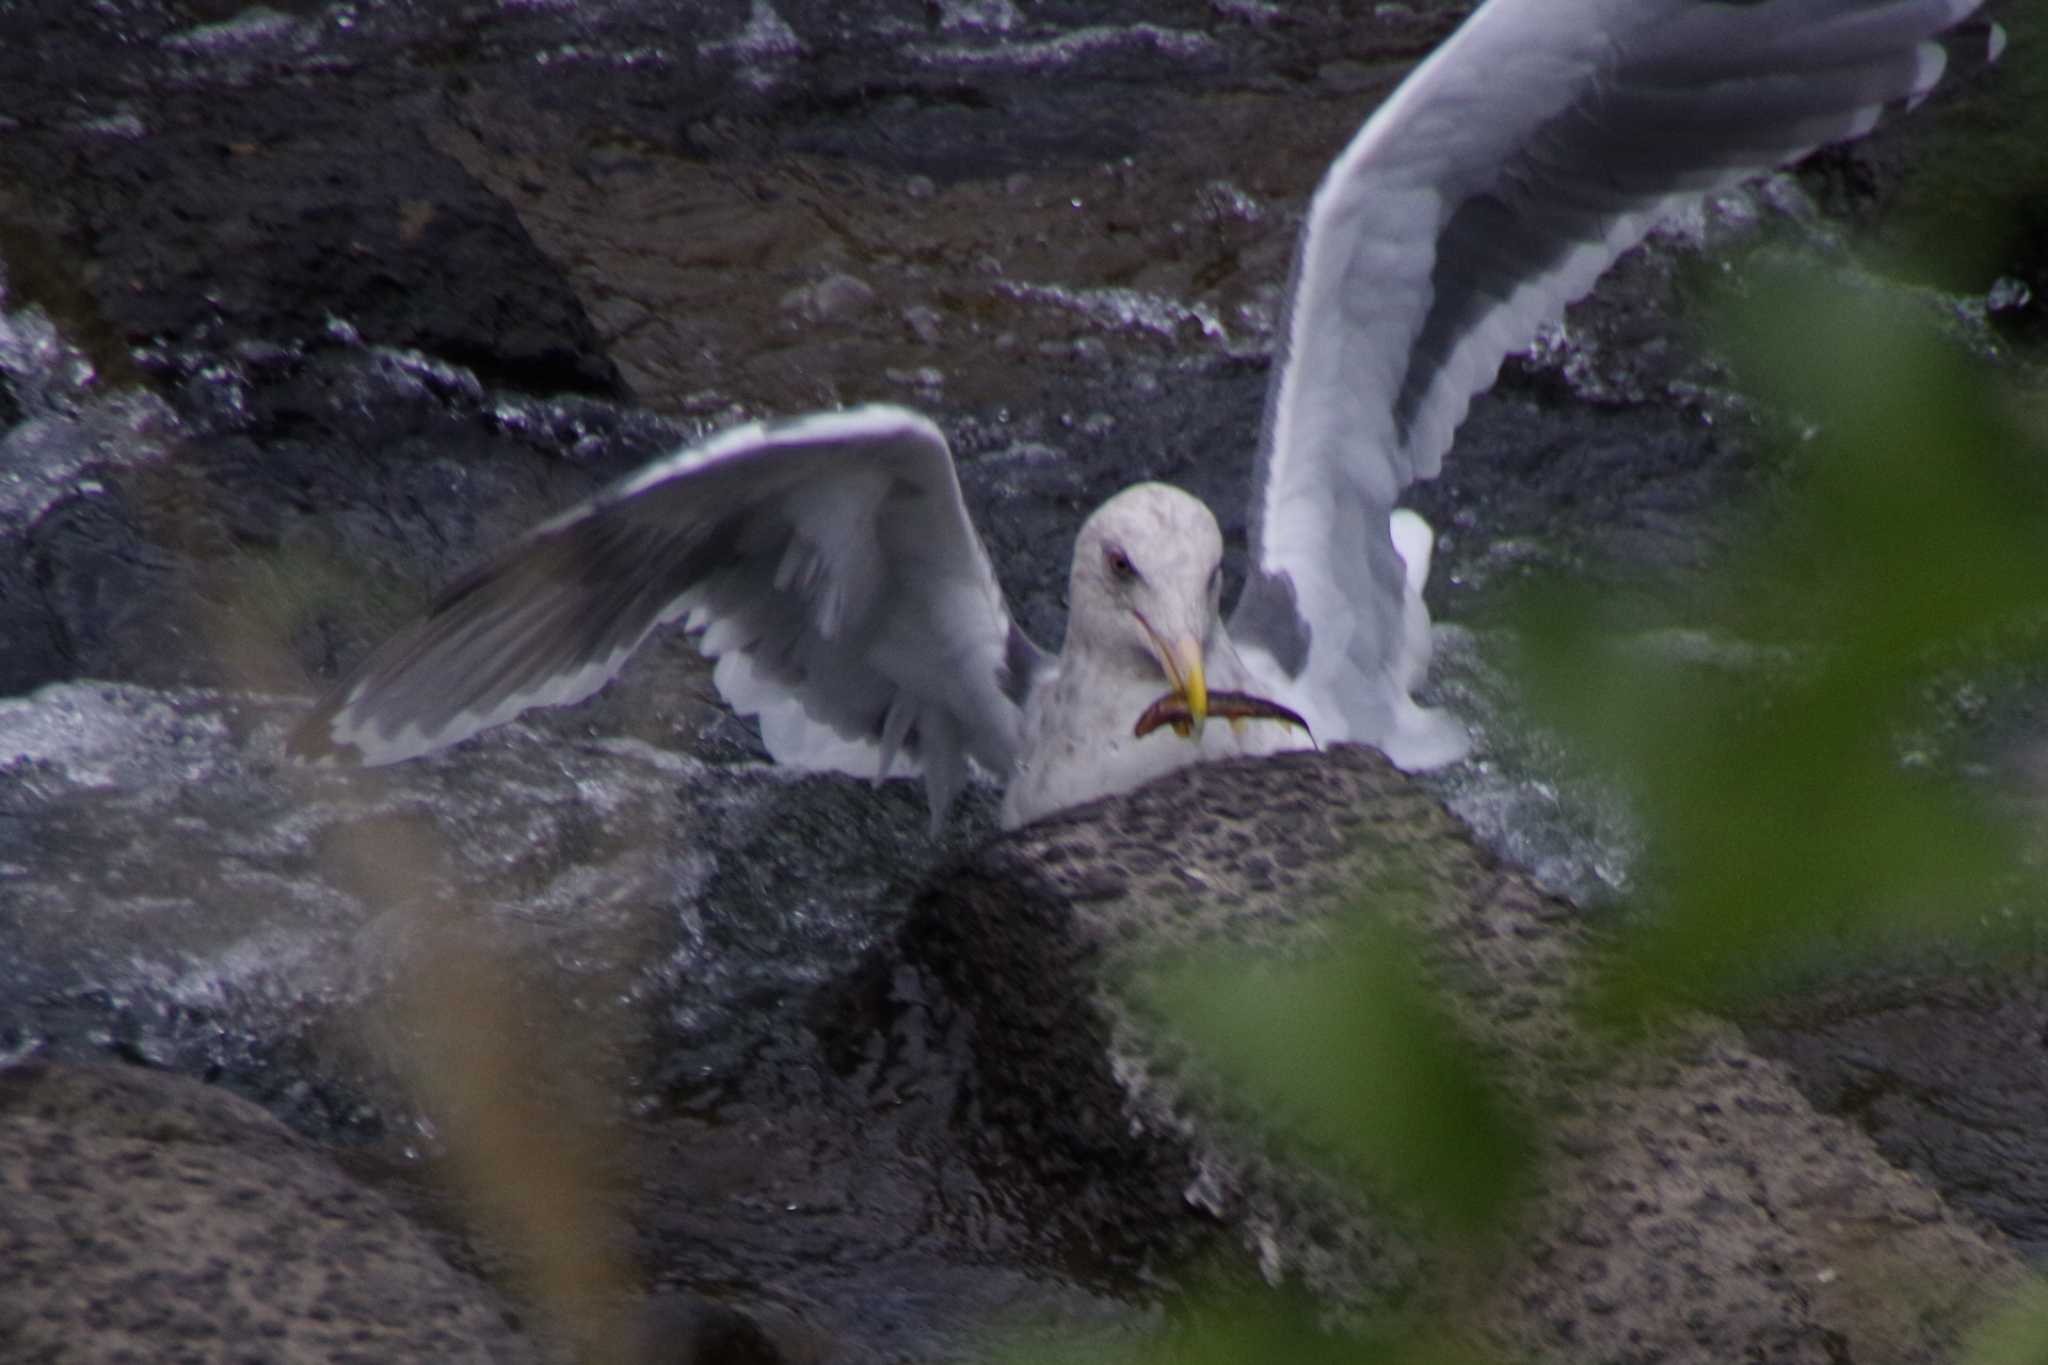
828, 561
1543, 139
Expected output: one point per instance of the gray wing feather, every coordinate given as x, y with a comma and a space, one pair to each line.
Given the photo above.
1505, 175
828, 562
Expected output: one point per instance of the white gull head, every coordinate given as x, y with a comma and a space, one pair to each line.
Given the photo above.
1144, 591
1144, 620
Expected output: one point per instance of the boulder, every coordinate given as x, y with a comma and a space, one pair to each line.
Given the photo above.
1688, 1203
145, 1216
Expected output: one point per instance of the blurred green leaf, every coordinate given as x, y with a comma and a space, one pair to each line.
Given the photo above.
1353, 1051
1274, 1327
1915, 532
2017, 1336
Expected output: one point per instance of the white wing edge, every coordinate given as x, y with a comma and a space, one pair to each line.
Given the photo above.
1421, 737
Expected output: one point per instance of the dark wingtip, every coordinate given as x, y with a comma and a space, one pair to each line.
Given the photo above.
1269, 615
1022, 662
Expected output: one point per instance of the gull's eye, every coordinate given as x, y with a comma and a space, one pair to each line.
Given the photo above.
1120, 566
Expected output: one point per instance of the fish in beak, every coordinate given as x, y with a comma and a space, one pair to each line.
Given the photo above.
1235, 707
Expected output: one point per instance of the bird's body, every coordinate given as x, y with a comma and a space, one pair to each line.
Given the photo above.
1078, 743
832, 570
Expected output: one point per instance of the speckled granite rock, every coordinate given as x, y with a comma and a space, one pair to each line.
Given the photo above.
1693, 1206
145, 1217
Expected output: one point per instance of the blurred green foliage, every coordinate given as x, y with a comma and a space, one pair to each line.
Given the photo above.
1226, 1327
1353, 1051
2019, 1336
1912, 536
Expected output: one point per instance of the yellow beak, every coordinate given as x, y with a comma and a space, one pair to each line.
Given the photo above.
1182, 661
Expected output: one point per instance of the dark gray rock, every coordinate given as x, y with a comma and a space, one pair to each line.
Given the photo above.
147, 1217
1887, 1049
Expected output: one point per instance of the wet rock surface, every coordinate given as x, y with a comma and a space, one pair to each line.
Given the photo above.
1889, 1050
306, 306
656, 928
907, 1114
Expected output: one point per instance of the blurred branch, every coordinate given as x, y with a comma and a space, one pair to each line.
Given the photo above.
515, 1084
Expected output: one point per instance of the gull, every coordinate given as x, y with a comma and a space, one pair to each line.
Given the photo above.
829, 566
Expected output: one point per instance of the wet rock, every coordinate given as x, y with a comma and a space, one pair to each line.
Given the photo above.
1941, 1064
147, 832
148, 1217
262, 196
834, 298
924, 323
885, 1153
1693, 1206
686, 1329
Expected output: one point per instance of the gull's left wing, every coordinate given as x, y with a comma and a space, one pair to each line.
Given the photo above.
828, 562
1540, 141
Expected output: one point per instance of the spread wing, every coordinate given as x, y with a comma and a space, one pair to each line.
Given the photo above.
828, 562
1507, 172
